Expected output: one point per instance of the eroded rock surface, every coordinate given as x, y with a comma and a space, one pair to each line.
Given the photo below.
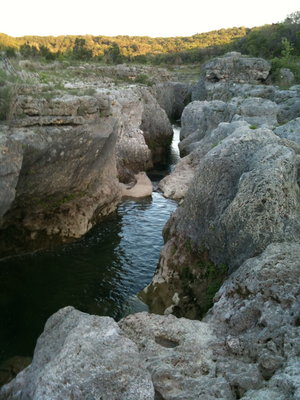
244, 196
81, 356
67, 154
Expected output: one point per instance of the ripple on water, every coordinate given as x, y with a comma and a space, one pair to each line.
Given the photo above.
99, 274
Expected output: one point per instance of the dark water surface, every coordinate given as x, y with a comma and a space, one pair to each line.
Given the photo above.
100, 274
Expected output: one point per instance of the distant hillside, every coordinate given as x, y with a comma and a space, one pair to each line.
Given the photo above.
276, 41
116, 49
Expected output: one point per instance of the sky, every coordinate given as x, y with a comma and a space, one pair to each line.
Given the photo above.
137, 17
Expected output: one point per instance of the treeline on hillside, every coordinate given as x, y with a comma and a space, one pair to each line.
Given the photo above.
279, 42
120, 48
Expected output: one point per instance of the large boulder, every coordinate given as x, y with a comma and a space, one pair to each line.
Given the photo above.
82, 357
199, 118
257, 309
237, 68
67, 182
256, 111
243, 197
246, 347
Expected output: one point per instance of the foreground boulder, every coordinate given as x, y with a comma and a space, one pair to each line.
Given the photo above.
244, 196
247, 346
80, 356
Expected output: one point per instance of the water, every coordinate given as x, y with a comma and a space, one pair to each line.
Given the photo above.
100, 274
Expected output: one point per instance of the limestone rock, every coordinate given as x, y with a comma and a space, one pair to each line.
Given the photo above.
256, 111
288, 102
175, 185
258, 308
67, 182
10, 165
81, 356
290, 131
172, 97
243, 197
199, 119
237, 68
179, 354
225, 91
287, 78
141, 188
156, 126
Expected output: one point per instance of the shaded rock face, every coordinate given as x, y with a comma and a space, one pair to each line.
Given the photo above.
80, 356
244, 196
10, 165
156, 126
67, 182
172, 97
176, 184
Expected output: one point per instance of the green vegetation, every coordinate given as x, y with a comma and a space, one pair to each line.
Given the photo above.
278, 42
119, 49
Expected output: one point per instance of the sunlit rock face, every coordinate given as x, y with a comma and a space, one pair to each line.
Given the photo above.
63, 157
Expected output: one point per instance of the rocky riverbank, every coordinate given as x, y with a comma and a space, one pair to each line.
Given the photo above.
231, 254
64, 154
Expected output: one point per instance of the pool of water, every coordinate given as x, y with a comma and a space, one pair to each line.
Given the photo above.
99, 274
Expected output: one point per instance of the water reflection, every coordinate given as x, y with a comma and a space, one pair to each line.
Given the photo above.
99, 274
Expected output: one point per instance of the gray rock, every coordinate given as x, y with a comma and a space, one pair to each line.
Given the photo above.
289, 104
225, 91
290, 131
156, 126
256, 111
84, 357
236, 68
176, 184
243, 197
172, 97
180, 355
68, 181
10, 165
199, 118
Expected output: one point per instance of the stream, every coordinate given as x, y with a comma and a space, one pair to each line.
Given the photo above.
99, 274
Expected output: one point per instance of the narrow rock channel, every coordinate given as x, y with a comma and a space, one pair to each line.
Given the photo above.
99, 274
